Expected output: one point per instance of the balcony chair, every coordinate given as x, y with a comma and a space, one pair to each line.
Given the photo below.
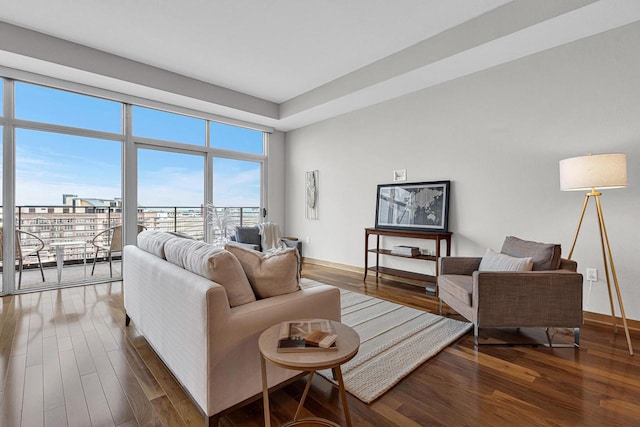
547, 296
109, 241
26, 251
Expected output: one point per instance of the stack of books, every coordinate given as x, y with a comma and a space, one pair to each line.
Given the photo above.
306, 335
405, 250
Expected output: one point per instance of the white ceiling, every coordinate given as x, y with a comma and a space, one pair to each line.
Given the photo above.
315, 59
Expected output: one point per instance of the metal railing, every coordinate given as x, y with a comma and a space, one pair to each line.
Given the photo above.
61, 223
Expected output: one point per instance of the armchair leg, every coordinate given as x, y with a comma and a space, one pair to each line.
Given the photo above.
476, 333
546, 331
576, 337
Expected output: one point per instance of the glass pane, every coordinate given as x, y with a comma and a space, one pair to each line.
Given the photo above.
68, 191
1, 186
1, 97
236, 195
236, 138
171, 192
168, 126
42, 104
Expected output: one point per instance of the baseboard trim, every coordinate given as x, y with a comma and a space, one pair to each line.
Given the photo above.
330, 264
605, 319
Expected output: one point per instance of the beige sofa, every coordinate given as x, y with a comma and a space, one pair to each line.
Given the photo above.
550, 295
210, 347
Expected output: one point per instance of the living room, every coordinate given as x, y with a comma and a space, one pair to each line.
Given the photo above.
496, 130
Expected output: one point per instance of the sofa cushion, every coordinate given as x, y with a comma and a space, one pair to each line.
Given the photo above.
546, 256
250, 235
270, 274
458, 285
153, 241
493, 261
215, 264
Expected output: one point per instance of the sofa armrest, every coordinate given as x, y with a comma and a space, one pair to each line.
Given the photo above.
234, 357
569, 265
527, 299
459, 265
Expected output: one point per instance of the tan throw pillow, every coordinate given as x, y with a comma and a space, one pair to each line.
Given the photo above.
215, 264
224, 268
493, 261
270, 274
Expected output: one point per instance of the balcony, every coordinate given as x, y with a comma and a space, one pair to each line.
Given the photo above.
58, 224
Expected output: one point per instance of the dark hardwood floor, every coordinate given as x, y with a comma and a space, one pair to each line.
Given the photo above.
66, 358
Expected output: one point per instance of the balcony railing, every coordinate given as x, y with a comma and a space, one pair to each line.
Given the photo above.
64, 223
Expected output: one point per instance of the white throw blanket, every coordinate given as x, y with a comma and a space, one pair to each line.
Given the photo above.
271, 237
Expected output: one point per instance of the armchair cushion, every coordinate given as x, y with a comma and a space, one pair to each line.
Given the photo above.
270, 274
459, 286
546, 256
493, 261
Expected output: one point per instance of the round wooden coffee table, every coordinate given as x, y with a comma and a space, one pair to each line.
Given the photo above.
348, 344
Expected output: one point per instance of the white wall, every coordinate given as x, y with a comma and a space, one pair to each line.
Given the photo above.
498, 136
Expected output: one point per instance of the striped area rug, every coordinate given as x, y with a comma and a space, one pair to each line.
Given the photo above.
394, 340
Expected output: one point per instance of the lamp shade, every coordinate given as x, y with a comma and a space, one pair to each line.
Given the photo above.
593, 171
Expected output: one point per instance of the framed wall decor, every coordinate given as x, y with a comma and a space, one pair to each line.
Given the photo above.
311, 194
418, 206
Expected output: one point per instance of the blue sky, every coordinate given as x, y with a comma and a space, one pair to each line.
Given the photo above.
49, 164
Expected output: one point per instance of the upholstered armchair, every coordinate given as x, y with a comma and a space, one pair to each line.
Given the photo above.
250, 237
547, 296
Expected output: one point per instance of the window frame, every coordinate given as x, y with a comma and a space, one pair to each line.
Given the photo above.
130, 144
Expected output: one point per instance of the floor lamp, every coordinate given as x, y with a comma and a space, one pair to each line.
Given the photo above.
593, 172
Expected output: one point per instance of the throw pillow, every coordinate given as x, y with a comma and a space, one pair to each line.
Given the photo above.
546, 256
493, 261
153, 241
270, 274
215, 264
224, 268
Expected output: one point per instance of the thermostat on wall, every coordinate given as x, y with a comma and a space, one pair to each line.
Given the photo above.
400, 175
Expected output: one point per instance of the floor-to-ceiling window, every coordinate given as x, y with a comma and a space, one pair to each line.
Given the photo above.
2, 119
171, 191
237, 178
67, 157
68, 184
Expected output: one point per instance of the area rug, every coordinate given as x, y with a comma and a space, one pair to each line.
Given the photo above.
394, 340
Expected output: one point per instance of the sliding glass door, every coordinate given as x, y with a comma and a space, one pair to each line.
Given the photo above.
64, 181
171, 191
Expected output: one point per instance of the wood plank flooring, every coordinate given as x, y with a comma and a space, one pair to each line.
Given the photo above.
66, 359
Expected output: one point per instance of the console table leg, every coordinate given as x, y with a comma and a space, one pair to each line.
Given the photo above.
343, 396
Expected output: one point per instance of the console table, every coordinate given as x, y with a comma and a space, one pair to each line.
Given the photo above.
430, 281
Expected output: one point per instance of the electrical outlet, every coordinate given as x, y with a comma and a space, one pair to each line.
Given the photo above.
592, 274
